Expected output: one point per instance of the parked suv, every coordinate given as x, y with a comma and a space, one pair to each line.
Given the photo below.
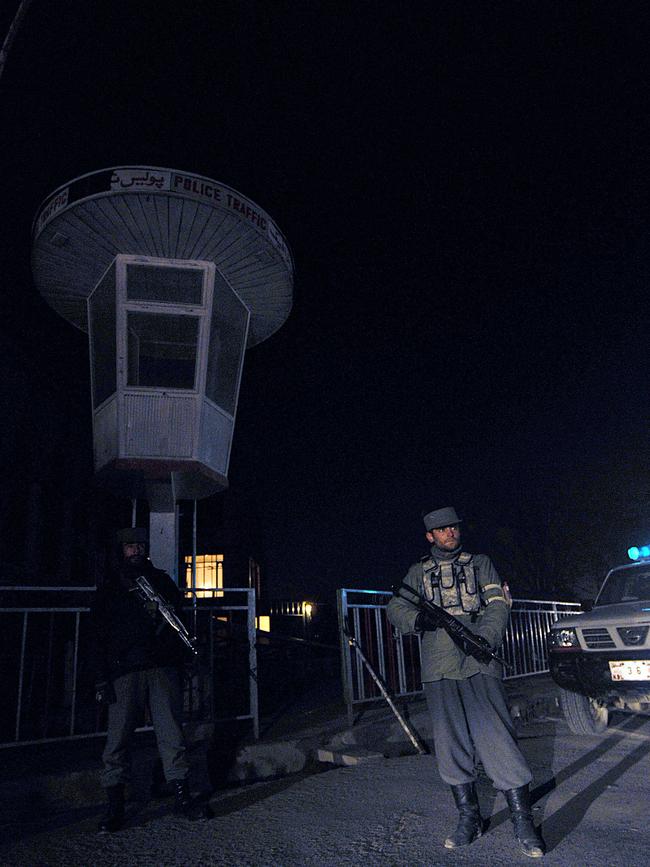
601, 658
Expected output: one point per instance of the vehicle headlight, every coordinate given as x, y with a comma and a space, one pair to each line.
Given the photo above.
563, 638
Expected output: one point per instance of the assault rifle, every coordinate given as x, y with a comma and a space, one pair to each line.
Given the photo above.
469, 642
146, 592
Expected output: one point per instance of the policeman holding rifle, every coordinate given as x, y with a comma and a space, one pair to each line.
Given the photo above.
140, 648
462, 676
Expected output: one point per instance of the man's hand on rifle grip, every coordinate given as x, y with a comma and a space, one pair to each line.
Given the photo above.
425, 622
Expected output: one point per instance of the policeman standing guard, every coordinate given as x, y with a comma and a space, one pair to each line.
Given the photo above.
139, 659
465, 695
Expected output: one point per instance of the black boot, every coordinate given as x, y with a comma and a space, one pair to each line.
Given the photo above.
470, 824
526, 833
114, 818
186, 805
159, 787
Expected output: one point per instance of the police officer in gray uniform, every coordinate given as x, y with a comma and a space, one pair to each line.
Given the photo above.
464, 693
138, 659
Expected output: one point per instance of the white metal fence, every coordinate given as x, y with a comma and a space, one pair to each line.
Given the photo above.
46, 676
47, 682
396, 657
524, 645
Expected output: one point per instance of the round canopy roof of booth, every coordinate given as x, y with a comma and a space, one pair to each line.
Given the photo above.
148, 211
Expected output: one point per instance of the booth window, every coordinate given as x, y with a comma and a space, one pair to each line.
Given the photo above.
101, 309
162, 350
228, 330
166, 285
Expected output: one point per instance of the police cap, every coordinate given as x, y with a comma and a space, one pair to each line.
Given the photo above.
440, 518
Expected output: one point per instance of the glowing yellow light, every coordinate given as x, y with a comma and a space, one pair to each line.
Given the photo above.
307, 609
209, 575
263, 623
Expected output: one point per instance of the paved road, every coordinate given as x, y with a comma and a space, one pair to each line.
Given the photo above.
591, 794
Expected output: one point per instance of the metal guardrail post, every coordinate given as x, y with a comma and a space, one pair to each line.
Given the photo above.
21, 672
75, 658
252, 664
346, 659
213, 707
381, 658
401, 664
49, 678
358, 665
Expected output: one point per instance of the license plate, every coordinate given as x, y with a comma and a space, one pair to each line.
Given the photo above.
624, 669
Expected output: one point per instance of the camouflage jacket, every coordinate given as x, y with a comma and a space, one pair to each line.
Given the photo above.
441, 657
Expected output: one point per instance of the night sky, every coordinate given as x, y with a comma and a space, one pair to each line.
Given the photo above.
465, 188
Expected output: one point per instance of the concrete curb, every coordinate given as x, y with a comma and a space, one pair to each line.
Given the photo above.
348, 758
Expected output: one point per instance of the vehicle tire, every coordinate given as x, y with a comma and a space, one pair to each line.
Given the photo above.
584, 715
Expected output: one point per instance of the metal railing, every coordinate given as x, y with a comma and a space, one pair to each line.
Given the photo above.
396, 657
47, 680
524, 644
288, 608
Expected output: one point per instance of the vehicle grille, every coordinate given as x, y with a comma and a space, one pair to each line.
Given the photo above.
598, 638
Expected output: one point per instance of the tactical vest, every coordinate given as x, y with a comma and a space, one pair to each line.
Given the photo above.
452, 585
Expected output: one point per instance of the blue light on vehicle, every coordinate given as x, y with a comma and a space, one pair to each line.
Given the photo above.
635, 553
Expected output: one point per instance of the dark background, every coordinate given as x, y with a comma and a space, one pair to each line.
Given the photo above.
465, 189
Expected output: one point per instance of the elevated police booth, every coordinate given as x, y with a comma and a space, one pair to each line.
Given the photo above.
173, 276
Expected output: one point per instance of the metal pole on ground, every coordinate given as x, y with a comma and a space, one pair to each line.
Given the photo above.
412, 736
